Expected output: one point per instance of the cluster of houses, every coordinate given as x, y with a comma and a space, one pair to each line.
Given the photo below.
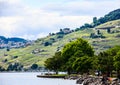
38, 51
62, 31
65, 31
12, 44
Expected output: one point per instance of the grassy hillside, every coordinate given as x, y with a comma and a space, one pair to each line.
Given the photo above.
38, 53
111, 23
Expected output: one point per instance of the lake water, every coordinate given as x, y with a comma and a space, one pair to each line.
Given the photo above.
31, 79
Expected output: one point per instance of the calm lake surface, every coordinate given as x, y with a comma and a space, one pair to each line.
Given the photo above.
31, 79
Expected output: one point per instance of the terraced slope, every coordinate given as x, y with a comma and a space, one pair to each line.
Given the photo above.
38, 53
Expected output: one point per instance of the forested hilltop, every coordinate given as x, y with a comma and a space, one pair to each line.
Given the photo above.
102, 34
113, 15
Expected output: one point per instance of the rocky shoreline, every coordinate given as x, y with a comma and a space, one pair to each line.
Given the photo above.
87, 79
95, 80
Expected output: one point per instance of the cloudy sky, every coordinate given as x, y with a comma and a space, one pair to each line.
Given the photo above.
32, 19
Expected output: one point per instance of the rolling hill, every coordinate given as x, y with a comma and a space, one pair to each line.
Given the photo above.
38, 52
103, 33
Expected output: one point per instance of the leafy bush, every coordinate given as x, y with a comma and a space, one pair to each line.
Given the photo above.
34, 66
47, 43
60, 36
1, 68
15, 67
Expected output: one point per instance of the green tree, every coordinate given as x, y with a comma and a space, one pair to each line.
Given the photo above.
10, 67
15, 67
83, 64
105, 63
77, 29
117, 62
74, 50
47, 43
95, 21
87, 25
108, 30
61, 30
34, 66
54, 63
2, 69
108, 60
98, 32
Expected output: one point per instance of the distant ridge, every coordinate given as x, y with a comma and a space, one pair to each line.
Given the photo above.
14, 39
13, 42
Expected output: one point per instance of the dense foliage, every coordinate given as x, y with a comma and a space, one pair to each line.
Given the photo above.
113, 15
15, 67
54, 63
1, 69
73, 53
78, 57
34, 66
109, 60
83, 64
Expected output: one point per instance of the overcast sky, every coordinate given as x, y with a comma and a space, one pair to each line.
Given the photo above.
32, 19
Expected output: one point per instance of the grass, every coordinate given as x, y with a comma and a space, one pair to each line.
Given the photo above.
110, 23
59, 74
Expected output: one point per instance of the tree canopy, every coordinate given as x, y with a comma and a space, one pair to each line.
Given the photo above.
72, 54
113, 15
83, 64
75, 50
54, 63
78, 57
109, 60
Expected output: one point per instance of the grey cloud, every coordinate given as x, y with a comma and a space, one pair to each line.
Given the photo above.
10, 9
34, 21
86, 7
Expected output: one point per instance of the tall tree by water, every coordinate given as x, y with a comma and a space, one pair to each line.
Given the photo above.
73, 51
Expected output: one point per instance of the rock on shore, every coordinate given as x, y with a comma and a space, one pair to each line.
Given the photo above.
90, 80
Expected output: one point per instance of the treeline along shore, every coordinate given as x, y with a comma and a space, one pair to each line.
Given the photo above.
78, 57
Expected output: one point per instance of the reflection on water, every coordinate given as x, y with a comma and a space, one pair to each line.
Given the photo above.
31, 79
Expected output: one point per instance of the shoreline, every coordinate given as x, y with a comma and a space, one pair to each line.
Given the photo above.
50, 76
87, 80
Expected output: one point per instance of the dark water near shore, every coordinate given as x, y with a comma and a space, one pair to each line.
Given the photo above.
31, 79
